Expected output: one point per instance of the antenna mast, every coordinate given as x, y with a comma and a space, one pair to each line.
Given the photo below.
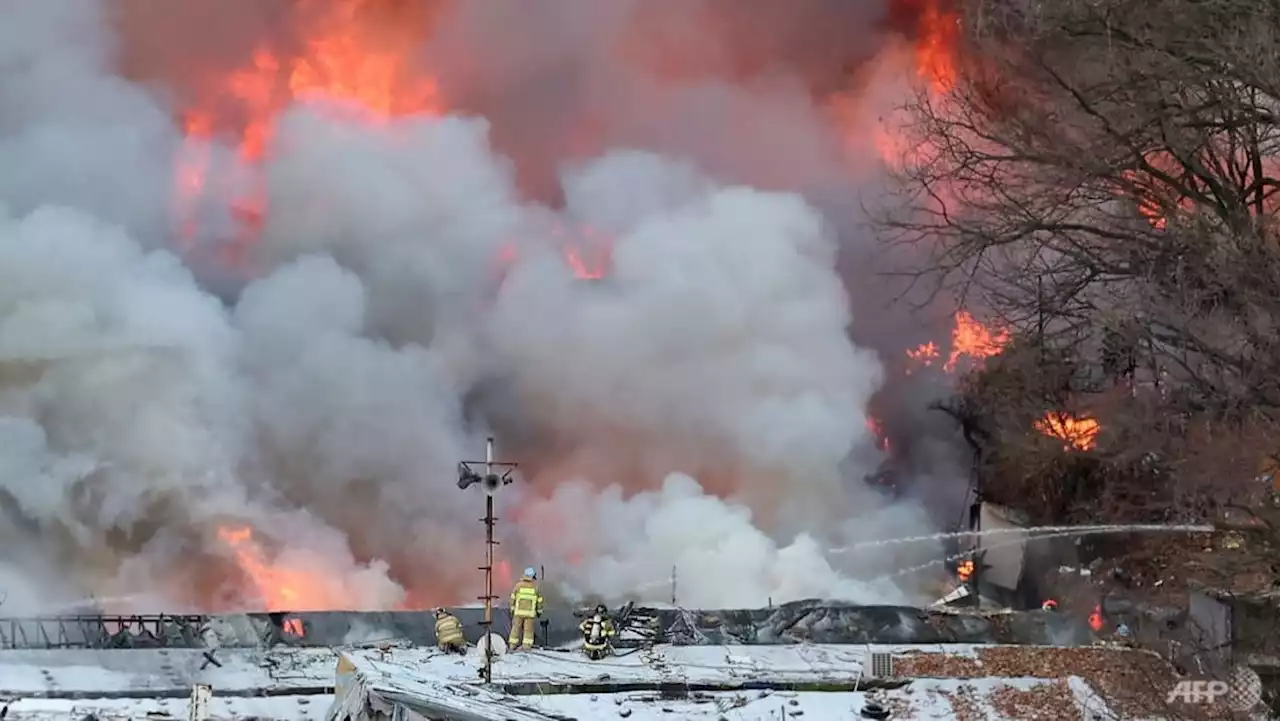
491, 481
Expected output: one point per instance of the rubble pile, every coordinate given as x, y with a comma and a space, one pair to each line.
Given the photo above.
1134, 682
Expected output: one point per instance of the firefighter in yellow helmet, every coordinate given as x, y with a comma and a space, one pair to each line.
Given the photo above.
449, 633
526, 607
597, 634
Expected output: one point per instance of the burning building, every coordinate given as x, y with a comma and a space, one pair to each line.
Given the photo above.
268, 270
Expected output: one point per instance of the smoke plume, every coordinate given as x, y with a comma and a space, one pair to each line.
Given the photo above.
183, 430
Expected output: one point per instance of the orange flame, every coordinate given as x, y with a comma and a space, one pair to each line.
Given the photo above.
936, 47
924, 354
1153, 196
933, 60
877, 429
1078, 433
973, 339
293, 626
280, 587
348, 61
586, 252
1095, 619
964, 569
969, 339
1148, 207
581, 269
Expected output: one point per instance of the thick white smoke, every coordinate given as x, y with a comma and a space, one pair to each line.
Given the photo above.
697, 408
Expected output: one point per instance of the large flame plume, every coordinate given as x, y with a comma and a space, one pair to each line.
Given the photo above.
250, 320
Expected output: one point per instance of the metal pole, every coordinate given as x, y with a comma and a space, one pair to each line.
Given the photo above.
544, 624
467, 478
488, 568
975, 523
488, 589
673, 585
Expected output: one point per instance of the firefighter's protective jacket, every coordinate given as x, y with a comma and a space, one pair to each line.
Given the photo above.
526, 602
448, 631
596, 631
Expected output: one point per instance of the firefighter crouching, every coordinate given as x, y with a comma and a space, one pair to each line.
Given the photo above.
526, 608
449, 633
597, 632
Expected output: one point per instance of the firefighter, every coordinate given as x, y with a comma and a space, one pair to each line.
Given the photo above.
449, 633
596, 634
526, 607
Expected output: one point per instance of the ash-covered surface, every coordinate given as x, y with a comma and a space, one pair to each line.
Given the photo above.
799, 622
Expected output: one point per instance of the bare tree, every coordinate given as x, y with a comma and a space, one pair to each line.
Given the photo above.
1103, 174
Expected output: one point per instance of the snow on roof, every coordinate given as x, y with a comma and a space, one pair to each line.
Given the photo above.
161, 672
932, 682
405, 676
940, 700
156, 683
281, 708
937, 700
725, 682
687, 664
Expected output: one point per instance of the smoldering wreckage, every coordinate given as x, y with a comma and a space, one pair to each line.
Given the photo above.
270, 269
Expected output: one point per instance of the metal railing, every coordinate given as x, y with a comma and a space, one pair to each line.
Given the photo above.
102, 631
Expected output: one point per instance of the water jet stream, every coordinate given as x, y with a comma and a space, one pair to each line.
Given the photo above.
959, 556
1034, 532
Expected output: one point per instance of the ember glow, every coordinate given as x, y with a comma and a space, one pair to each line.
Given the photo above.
1077, 433
877, 430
